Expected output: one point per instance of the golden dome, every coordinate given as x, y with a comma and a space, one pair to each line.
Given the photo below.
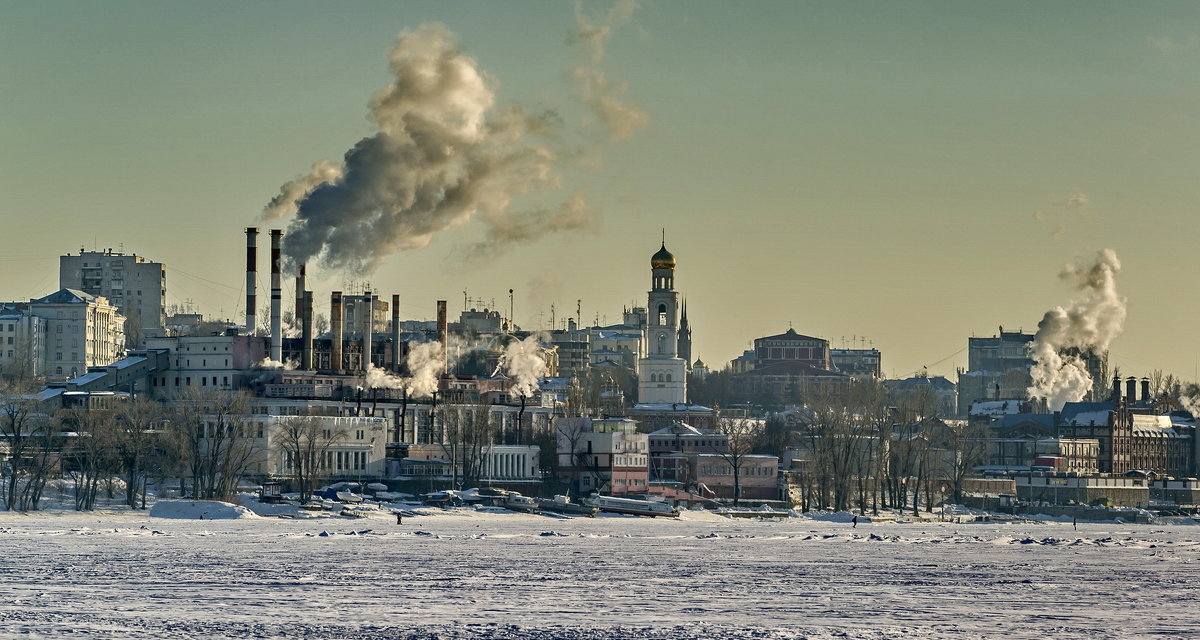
662, 259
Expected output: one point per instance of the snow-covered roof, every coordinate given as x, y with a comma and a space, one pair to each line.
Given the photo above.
678, 428
1086, 413
995, 408
66, 296
667, 406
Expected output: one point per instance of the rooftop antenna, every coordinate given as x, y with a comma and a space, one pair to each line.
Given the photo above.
510, 308
464, 299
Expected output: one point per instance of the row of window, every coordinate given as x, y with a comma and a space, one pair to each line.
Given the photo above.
725, 469
161, 381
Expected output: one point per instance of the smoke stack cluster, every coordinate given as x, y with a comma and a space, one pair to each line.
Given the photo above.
396, 333
251, 278
442, 331
368, 330
276, 298
335, 331
300, 289
306, 330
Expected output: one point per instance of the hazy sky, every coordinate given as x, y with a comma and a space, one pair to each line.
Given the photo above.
915, 173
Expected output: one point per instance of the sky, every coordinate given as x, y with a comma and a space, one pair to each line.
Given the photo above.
896, 175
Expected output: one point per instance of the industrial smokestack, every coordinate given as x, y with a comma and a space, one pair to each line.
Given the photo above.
396, 332
1145, 389
1116, 394
1131, 389
335, 331
306, 330
441, 332
368, 330
251, 278
276, 298
300, 284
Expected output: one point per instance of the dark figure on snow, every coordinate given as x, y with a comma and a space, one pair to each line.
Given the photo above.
1075, 523
854, 522
399, 518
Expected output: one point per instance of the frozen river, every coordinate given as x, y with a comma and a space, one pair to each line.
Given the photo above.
467, 575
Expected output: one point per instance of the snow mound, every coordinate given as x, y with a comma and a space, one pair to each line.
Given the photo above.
199, 510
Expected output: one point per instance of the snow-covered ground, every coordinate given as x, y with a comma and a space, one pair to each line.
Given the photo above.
463, 574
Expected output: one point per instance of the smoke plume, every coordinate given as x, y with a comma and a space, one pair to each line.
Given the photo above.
290, 195
1088, 324
605, 97
525, 362
442, 156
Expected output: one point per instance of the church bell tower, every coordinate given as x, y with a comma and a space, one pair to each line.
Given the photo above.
662, 374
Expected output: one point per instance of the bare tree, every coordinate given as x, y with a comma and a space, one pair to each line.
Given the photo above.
741, 435
568, 434
468, 438
137, 431
89, 453
21, 422
967, 447
210, 430
306, 441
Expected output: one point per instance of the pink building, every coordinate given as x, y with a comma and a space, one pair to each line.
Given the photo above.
603, 456
759, 477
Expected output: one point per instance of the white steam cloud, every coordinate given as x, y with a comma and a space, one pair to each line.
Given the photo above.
425, 361
1089, 324
442, 156
525, 362
268, 363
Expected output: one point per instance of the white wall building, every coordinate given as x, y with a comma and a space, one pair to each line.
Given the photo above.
206, 363
135, 285
22, 342
82, 330
355, 450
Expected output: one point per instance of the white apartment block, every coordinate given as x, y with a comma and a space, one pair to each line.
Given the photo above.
22, 342
135, 285
82, 330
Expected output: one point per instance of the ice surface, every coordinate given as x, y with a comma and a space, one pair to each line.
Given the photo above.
468, 575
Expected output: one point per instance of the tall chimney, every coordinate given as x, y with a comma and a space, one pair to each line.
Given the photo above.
251, 277
306, 330
1145, 389
335, 331
1131, 389
276, 299
300, 284
441, 331
1116, 394
396, 332
368, 330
